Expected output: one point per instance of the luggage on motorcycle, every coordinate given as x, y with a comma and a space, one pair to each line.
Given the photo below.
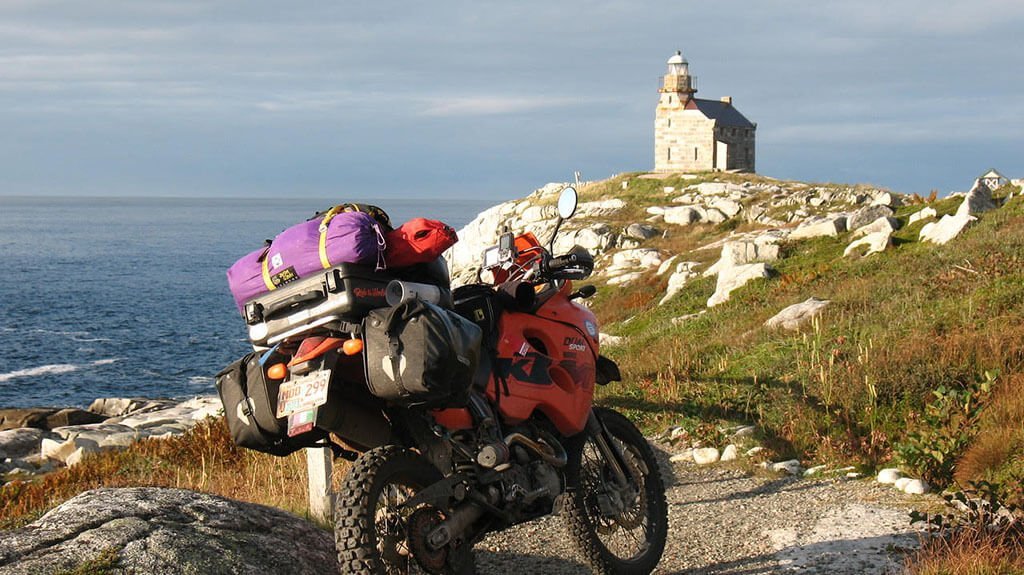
479, 304
376, 213
303, 249
250, 407
417, 241
345, 293
420, 354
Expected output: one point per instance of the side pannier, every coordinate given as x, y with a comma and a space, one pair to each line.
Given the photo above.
250, 407
420, 354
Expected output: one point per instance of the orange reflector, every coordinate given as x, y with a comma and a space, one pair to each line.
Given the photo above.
277, 371
352, 346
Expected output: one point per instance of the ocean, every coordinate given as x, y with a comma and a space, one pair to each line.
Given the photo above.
118, 297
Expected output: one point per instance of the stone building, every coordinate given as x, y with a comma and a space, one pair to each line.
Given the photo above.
692, 134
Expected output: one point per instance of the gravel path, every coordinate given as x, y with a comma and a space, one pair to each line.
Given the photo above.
725, 520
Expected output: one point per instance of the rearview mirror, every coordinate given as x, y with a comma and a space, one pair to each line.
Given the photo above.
567, 202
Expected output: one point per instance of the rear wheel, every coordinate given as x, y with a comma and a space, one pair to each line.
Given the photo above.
373, 527
620, 530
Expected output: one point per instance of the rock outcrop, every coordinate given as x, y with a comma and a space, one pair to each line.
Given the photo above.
731, 279
796, 315
944, 230
167, 532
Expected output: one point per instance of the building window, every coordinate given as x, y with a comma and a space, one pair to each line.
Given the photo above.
670, 154
670, 99
670, 122
695, 154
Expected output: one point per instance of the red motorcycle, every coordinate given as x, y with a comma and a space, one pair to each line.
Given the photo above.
427, 483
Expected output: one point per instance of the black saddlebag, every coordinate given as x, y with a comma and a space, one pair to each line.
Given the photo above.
250, 407
420, 354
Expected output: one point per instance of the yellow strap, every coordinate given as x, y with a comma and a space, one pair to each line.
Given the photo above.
328, 216
324, 260
266, 275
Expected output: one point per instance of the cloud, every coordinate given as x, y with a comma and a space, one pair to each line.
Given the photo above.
445, 106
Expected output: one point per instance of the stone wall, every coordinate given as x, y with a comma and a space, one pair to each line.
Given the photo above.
687, 141
684, 140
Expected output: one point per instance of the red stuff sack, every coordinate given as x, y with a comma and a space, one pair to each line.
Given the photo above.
418, 241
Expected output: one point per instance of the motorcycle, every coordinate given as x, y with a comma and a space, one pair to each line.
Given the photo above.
426, 484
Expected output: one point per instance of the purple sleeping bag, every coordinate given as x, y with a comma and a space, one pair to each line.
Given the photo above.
350, 237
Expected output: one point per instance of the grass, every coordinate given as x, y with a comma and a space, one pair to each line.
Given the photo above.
969, 552
203, 459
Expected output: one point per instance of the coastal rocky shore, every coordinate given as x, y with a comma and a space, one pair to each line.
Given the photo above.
34, 441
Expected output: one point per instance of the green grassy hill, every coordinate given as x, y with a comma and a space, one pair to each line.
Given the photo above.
919, 358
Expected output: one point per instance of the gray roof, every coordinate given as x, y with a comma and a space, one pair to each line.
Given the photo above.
725, 114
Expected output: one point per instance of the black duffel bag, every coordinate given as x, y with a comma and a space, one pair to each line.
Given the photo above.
420, 354
250, 407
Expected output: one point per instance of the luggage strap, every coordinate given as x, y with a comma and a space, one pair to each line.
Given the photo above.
325, 261
403, 311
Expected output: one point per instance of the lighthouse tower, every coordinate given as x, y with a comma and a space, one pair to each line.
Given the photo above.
692, 134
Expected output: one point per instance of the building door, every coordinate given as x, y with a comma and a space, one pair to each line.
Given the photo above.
721, 155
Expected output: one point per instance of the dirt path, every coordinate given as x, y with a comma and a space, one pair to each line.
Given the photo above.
724, 520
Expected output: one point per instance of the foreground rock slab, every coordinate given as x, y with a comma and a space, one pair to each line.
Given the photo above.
165, 532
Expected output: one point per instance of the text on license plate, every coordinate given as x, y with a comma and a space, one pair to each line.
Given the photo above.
305, 393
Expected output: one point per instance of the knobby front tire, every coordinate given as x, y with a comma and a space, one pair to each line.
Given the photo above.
631, 542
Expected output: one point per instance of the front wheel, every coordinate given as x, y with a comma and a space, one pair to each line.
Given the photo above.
620, 529
375, 533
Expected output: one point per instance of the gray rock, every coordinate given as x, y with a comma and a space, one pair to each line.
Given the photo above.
682, 215
889, 475
733, 278
18, 443
922, 215
946, 229
832, 226
883, 224
641, 231
165, 532
872, 243
685, 271
978, 200
866, 215
705, 455
744, 252
797, 314
916, 487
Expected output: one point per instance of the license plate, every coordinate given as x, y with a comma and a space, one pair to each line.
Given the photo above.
303, 394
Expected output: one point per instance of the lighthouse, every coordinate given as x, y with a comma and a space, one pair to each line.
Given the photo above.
695, 135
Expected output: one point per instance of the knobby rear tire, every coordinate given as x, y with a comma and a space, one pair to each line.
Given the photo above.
582, 515
355, 533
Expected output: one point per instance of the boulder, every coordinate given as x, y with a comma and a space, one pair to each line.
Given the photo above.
798, 314
685, 455
889, 476
916, 487
682, 215
600, 208
18, 443
116, 406
812, 471
666, 265
791, 467
72, 416
888, 199
16, 418
978, 200
735, 277
946, 229
685, 271
729, 453
884, 224
922, 215
744, 252
902, 482
728, 207
640, 257
685, 318
832, 226
718, 189
714, 216
641, 231
705, 455
873, 243
866, 215
165, 532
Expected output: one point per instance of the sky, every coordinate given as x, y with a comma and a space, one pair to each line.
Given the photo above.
474, 99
